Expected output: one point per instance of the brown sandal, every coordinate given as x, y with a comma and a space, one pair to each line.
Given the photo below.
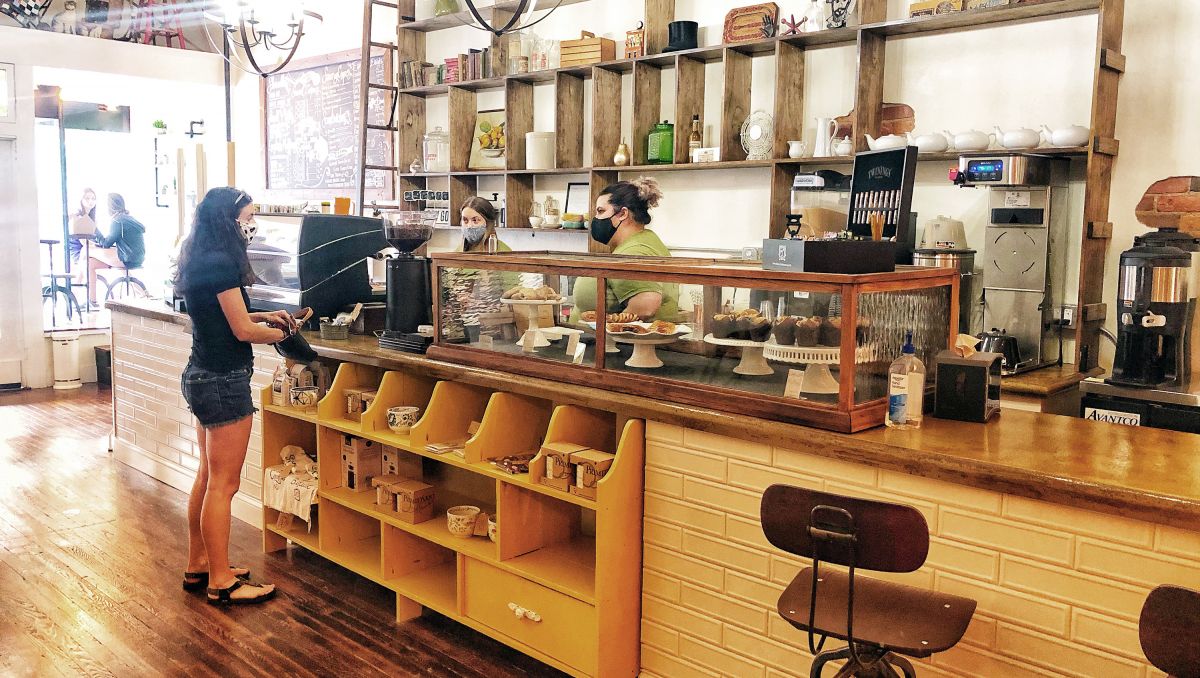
198, 581
222, 596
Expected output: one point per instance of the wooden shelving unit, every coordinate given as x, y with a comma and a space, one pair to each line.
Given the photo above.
575, 562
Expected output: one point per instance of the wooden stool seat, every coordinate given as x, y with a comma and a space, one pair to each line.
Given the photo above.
1169, 630
904, 619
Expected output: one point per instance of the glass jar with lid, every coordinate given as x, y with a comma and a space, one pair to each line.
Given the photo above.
436, 151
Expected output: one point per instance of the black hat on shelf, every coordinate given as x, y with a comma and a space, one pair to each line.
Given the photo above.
681, 35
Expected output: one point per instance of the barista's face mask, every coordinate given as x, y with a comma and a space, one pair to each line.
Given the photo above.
473, 235
603, 229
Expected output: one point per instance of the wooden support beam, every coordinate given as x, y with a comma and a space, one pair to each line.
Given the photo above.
647, 103
1093, 312
735, 104
606, 115
1106, 145
789, 96
1099, 229
568, 119
868, 94
518, 116
689, 101
518, 198
659, 13
462, 114
1112, 60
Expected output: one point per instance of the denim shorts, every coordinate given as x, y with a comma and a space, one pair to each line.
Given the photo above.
218, 398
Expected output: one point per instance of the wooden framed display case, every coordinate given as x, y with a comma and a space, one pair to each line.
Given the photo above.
529, 311
559, 575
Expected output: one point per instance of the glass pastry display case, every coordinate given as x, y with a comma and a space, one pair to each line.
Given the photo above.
807, 348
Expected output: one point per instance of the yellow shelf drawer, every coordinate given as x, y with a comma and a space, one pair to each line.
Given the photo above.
567, 627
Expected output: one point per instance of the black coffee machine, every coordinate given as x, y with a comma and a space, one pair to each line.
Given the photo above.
409, 298
1154, 310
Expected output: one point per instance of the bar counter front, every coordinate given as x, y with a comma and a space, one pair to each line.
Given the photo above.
1057, 526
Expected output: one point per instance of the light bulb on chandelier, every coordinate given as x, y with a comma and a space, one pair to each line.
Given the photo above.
257, 29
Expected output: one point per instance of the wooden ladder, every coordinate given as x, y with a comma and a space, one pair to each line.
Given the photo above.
370, 49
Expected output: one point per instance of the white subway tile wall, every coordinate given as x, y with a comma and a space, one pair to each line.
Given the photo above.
1059, 588
151, 413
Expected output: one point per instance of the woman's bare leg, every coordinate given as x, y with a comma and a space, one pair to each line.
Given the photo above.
226, 452
197, 558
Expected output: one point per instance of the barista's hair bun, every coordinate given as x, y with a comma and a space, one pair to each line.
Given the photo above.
648, 190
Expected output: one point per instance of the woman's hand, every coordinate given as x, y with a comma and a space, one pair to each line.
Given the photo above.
281, 320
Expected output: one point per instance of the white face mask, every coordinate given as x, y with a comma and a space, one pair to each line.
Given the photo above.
249, 229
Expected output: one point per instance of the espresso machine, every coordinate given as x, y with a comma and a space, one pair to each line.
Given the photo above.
409, 296
1024, 267
1153, 377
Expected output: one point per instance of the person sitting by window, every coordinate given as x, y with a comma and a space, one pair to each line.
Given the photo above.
123, 247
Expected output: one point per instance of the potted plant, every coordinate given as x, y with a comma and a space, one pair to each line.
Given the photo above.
160, 127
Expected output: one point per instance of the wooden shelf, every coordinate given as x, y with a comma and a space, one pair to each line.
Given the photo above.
464, 17
361, 558
299, 534
435, 587
309, 414
982, 18
569, 567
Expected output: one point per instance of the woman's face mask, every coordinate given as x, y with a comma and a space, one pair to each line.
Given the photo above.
249, 229
603, 229
473, 235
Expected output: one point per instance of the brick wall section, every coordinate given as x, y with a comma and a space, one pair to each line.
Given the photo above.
1172, 203
1059, 589
151, 413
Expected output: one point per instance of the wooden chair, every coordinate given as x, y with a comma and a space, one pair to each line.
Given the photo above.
880, 621
1169, 630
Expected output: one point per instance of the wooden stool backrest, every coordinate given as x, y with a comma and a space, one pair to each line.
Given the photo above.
1169, 629
888, 537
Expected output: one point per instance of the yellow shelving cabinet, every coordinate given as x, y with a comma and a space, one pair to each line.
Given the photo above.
570, 565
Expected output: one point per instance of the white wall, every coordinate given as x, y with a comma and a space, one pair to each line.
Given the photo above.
27, 49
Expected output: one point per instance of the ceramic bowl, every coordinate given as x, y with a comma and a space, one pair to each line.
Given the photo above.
492, 529
573, 225
535, 222
401, 418
460, 520
551, 220
304, 396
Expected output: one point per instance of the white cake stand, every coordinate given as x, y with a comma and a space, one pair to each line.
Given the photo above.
645, 355
753, 364
539, 339
817, 359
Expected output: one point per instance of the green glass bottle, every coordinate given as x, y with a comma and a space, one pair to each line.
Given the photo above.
444, 7
660, 144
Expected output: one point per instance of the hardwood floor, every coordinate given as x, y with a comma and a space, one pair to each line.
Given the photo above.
91, 553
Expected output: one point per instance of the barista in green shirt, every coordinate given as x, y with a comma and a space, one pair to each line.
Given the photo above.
622, 214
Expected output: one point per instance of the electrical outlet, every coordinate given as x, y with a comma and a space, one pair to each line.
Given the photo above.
1067, 315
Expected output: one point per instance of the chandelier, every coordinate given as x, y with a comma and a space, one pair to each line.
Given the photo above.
520, 19
263, 35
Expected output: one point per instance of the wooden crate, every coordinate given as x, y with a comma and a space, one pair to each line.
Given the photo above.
588, 49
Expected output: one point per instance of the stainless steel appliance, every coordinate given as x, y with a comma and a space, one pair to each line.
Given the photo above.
318, 261
1171, 407
963, 260
1153, 305
1172, 237
1024, 265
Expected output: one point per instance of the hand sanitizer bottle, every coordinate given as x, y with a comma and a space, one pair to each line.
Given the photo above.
906, 388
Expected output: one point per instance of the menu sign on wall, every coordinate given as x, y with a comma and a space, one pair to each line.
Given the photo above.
313, 128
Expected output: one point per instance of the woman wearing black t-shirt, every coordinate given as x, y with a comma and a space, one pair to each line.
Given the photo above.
212, 272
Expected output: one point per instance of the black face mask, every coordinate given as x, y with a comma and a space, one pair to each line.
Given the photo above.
603, 230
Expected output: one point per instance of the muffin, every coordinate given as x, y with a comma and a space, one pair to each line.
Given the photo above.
785, 331
831, 332
741, 328
722, 326
808, 331
760, 328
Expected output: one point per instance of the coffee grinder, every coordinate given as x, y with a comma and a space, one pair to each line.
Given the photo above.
1154, 310
409, 298
1024, 262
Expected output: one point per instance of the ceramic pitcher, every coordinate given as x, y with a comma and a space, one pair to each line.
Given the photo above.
826, 128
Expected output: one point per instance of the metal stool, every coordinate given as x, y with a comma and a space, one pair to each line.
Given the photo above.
880, 621
55, 288
125, 286
1169, 630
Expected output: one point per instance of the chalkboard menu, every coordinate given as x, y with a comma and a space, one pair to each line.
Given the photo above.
311, 116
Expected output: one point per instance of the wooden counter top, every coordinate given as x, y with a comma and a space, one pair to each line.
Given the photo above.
1045, 381
1144, 473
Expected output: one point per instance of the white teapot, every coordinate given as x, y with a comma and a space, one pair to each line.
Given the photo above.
1018, 138
843, 146
1075, 135
929, 143
885, 142
971, 140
